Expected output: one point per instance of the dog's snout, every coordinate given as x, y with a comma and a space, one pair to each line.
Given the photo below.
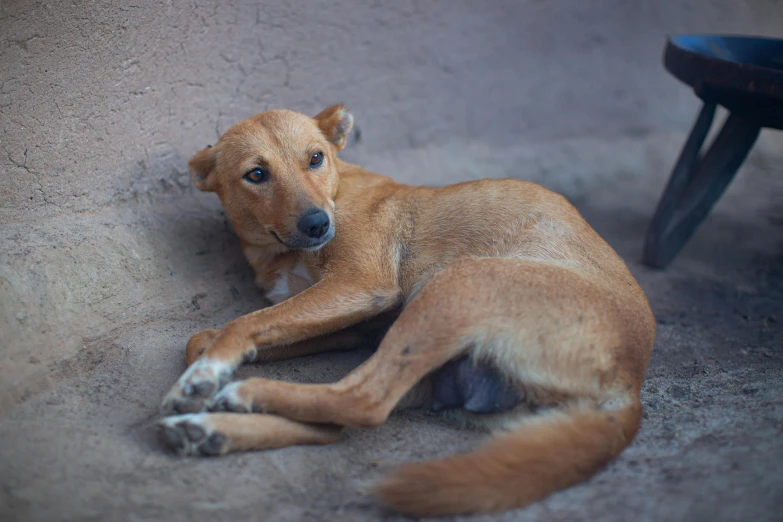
314, 223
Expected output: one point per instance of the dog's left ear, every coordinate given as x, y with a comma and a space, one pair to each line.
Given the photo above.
201, 167
336, 123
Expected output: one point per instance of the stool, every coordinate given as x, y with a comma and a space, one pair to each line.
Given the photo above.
743, 75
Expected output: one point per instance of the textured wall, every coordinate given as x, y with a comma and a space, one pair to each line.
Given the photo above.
101, 104
103, 101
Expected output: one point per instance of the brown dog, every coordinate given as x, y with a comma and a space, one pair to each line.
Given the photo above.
508, 307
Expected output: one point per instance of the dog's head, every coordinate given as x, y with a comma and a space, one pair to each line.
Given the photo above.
276, 174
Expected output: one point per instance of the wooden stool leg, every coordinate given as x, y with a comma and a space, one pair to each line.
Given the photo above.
696, 184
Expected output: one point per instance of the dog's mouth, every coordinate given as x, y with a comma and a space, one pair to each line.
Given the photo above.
298, 242
274, 234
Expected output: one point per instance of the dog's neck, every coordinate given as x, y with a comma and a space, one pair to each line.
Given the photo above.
268, 257
280, 274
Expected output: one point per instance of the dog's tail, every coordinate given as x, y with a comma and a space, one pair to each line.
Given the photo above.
514, 469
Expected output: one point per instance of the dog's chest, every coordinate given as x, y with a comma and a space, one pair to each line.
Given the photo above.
288, 282
280, 276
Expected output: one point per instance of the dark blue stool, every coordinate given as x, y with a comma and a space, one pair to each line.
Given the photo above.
742, 74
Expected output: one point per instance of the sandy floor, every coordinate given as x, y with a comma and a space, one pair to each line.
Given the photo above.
81, 444
110, 260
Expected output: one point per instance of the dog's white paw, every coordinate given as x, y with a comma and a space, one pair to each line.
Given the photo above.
192, 434
199, 383
232, 399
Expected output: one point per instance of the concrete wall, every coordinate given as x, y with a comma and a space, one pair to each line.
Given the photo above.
102, 103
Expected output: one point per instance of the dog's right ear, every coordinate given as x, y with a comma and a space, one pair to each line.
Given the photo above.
202, 166
335, 122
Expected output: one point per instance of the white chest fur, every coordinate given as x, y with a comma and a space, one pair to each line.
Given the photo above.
289, 282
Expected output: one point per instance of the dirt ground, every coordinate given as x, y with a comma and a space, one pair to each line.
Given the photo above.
709, 449
109, 260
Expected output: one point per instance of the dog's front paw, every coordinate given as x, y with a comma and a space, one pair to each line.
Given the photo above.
198, 344
192, 435
231, 398
203, 379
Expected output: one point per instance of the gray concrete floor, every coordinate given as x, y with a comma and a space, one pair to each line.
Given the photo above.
710, 446
110, 260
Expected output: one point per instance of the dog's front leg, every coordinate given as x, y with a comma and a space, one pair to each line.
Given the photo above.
348, 339
330, 305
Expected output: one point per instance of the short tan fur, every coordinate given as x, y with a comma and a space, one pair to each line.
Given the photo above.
504, 272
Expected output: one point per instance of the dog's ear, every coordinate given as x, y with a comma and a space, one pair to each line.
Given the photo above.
336, 123
201, 167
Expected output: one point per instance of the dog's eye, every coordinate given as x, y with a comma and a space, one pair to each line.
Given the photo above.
257, 175
316, 159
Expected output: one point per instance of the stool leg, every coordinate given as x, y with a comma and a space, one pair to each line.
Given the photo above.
678, 181
696, 184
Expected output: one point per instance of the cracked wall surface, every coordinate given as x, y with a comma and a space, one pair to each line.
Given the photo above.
109, 256
102, 102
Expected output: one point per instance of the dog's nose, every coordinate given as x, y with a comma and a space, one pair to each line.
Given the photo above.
314, 223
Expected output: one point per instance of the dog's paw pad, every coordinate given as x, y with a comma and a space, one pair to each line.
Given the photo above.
214, 445
198, 384
192, 435
232, 399
204, 388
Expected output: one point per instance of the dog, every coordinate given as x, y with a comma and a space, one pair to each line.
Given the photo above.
502, 305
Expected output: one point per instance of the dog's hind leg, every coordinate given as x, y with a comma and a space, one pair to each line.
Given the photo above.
440, 324
211, 434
